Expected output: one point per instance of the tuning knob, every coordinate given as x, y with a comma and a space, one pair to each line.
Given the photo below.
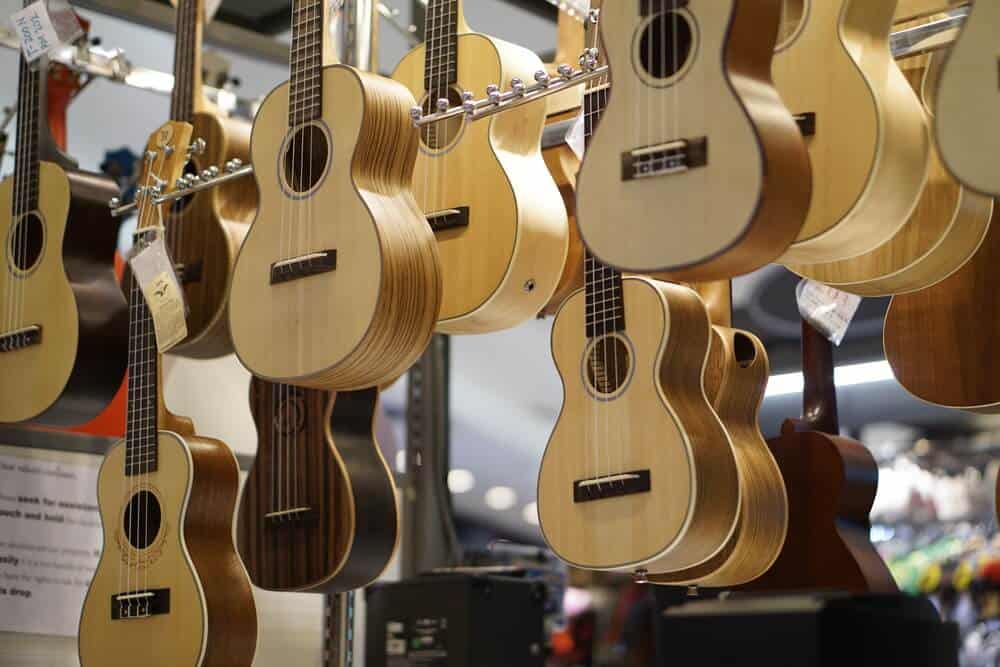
443, 104
565, 71
542, 77
416, 113
493, 93
233, 165
517, 85
197, 147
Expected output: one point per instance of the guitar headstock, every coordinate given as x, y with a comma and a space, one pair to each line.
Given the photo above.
167, 151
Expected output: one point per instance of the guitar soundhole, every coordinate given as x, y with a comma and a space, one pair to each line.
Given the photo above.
438, 136
290, 414
306, 156
26, 241
793, 14
608, 365
744, 350
666, 44
142, 519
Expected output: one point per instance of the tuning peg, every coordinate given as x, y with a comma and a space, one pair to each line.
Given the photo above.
565, 71
416, 113
443, 104
542, 77
114, 202
214, 171
233, 165
181, 184
493, 93
206, 174
517, 85
197, 147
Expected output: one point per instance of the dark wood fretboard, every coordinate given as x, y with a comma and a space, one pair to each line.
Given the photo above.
441, 47
187, 49
605, 304
26, 163
143, 386
305, 94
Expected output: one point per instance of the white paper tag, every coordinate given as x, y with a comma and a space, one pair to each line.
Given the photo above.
155, 274
576, 137
828, 310
43, 29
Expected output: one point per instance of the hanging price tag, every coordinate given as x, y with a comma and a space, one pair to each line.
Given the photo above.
576, 137
155, 274
43, 28
828, 310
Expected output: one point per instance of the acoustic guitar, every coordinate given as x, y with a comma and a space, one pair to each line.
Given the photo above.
940, 236
484, 188
63, 320
693, 114
735, 381
968, 102
867, 133
318, 511
169, 589
831, 483
639, 473
940, 341
338, 283
206, 229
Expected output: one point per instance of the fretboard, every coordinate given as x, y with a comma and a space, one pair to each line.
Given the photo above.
605, 305
441, 47
26, 163
143, 385
305, 94
186, 58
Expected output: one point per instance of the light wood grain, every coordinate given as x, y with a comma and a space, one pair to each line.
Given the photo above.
501, 269
366, 322
661, 421
968, 102
870, 154
941, 235
744, 207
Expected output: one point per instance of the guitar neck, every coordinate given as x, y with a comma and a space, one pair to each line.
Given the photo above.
142, 408
305, 95
28, 121
819, 393
187, 94
441, 47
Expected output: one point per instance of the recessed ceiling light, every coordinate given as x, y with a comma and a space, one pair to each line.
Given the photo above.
460, 480
501, 498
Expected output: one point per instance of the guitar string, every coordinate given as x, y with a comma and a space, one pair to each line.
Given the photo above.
590, 313
17, 207
21, 230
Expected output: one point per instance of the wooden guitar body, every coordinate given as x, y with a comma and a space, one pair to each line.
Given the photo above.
367, 313
944, 231
205, 233
968, 102
564, 165
212, 619
735, 380
831, 483
502, 267
71, 293
318, 511
637, 209
653, 420
940, 341
870, 144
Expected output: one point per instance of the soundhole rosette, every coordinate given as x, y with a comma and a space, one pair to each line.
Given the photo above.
608, 366
664, 47
306, 156
25, 244
440, 138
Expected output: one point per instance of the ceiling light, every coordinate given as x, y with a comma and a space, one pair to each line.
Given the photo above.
460, 480
843, 376
501, 498
530, 513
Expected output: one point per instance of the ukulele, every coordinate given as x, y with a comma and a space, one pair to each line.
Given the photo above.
866, 130
639, 473
940, 342
63, 319
968, 102
318, 511
944, 231
169, 588
338, 283
735, 380
831, 483
205, 230
698, 169
496, 213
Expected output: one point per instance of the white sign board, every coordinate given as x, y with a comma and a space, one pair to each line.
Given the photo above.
50, 541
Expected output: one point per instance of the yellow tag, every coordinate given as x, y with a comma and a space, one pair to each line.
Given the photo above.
166, 305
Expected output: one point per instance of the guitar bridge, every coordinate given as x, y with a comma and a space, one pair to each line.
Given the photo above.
288, 515
140, 604
303, 266
673, 157
451, 218
611, 486
21, 338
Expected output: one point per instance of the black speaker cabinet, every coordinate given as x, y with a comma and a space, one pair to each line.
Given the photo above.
456, 620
